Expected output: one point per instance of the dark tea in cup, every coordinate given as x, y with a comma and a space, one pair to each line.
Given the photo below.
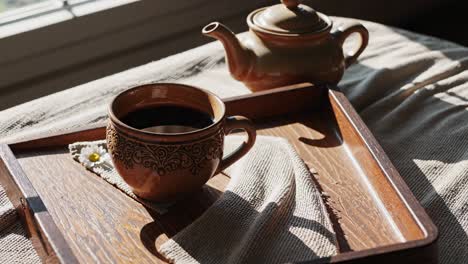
168, 119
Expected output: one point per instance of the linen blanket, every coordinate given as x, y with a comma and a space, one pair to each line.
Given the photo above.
411, 90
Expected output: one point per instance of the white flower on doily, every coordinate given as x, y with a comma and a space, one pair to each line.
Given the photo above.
92, 156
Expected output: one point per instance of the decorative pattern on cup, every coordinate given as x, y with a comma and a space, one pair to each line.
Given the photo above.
164, 158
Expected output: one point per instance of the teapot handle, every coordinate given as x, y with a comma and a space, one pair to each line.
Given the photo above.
344, 32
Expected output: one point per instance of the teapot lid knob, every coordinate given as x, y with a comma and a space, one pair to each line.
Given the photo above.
291, 4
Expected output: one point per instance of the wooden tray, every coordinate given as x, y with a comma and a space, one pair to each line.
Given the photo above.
74, 216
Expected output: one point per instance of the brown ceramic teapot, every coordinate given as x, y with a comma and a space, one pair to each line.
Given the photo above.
287, 43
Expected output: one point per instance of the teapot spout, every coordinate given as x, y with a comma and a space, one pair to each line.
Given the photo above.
238, 57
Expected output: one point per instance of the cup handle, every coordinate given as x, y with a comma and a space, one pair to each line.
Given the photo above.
343, 33
238, 122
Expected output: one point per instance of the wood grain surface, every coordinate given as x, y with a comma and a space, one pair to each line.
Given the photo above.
374, 214
41, 228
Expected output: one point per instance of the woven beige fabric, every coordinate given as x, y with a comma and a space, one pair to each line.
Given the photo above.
107, 172
15, 247
271, 212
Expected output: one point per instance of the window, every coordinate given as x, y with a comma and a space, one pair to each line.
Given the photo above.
16, 10
39, 37
8, 5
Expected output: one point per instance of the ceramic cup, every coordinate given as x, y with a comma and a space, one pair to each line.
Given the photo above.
165, 166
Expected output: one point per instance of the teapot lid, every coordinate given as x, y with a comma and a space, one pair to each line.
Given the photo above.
289, 17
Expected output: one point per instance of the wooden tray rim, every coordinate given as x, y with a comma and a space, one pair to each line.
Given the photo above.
65, 255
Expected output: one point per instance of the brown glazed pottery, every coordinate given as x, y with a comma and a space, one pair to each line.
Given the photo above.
164, 166
287, 43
